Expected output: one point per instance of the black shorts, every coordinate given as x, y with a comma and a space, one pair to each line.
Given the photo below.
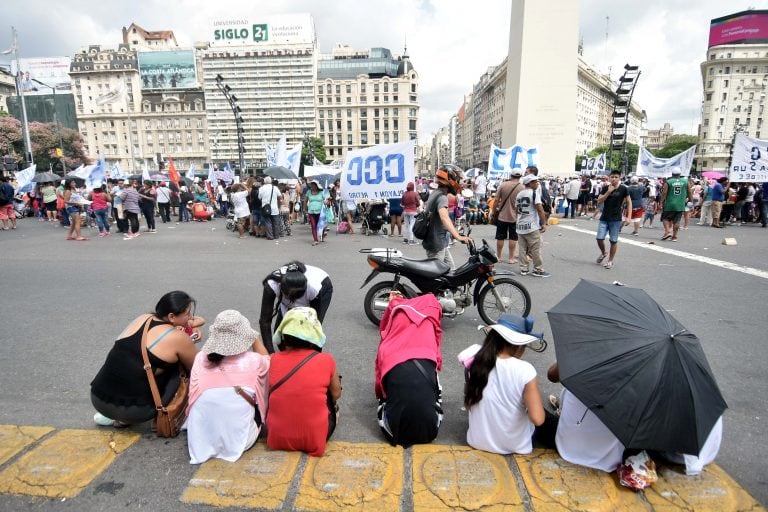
583, 198
51, 206
506, 230
673, 217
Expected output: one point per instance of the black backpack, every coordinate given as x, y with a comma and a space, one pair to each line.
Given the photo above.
4, 197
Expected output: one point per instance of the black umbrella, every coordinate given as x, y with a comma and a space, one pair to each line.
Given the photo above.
636, 367
46, 177
281, 173
326, 179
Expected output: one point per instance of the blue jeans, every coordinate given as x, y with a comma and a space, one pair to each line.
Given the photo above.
611, 228
183, 212
763, 212
102, 221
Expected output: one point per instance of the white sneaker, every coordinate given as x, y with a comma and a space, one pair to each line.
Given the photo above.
608, 264
102, 420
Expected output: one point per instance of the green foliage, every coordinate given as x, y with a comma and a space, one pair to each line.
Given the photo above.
45, 140
312, 147
676, 144
615, 163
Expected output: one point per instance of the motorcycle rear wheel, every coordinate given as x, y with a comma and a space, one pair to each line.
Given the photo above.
512, 298
380, 291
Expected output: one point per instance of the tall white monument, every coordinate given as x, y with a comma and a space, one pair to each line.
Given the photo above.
540, 99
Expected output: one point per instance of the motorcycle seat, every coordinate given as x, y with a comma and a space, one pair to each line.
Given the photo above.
427, 268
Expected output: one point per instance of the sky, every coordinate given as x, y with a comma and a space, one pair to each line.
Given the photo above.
450, 42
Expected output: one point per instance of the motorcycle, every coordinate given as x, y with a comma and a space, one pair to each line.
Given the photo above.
476, 282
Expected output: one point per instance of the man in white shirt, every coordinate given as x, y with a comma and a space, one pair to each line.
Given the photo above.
572, 195
269, 194
531, 223
164, 202
480, 185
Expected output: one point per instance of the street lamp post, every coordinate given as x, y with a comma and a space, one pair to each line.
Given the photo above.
226, 90
20, 91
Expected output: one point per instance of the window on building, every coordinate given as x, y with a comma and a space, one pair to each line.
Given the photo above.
328, 89
394, 124
363, 125
725, 96
727, 70
413, 98
349, 139
349, 112
362, 87
711, 71
363, 99
375, 87
348, 88
709, 84
376, 124
375, 112
338, 113
330, 152
394, 87
349, 126
386, 124
363, 112
363, 138
706, 122
386, 112
319, 89
338, 88
395, 112
322, 126
386, 138
320, 100
322, 114
375, 99
725, 83
386, 87
412, 135
376, 139
709, 96
411, 124
349, 100
338, 127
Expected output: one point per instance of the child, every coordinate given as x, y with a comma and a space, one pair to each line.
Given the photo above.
483, 212
650, 211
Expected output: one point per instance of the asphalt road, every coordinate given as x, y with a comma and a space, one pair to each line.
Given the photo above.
63, 303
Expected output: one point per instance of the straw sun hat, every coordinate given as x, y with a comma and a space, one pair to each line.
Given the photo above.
231, 334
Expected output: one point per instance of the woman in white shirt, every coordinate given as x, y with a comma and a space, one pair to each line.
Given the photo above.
240, 205
501, 394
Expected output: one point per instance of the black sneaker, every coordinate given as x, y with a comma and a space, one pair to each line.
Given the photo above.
541, 273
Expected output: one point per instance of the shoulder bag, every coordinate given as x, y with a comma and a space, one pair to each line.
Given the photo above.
495, 213
266, 209
170, 417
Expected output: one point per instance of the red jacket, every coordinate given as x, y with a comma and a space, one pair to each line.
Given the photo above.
410, 329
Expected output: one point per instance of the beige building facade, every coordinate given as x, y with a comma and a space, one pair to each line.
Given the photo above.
364, 98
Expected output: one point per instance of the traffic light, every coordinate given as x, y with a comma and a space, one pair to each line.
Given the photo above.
9, 164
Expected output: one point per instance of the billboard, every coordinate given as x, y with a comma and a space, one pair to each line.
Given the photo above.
272, 30
41, 75
173, 69
742, 27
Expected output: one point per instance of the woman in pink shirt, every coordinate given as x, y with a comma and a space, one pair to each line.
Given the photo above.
410, 203
100, 205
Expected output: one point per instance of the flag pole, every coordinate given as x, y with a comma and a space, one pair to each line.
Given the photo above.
20, 91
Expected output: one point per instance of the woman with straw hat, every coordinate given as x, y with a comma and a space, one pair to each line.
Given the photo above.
228, 391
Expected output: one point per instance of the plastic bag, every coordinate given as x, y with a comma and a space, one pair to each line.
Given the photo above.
637, 472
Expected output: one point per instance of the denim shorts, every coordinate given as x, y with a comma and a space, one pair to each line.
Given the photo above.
609, 227
71, 210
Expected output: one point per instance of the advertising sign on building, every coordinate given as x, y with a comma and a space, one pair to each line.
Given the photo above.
742, 27
167, 69
272, 30
41, 75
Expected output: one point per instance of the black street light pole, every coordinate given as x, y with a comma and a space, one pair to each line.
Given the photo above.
226, 90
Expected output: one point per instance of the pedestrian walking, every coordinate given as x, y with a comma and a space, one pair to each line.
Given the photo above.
613, 197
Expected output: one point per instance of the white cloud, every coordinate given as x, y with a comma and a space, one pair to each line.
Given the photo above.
450, 42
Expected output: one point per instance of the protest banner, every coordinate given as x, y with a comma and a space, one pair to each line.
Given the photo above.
378, 172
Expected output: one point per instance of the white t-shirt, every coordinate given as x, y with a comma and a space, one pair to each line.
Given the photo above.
481, 185
163, 195
572, 192
750, 194
527, 214
583, 439
240, 204
708, 453
267, 191
499, 423
315, 277
221, 194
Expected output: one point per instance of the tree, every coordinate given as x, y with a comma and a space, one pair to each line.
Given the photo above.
45, 140
676, 144
312, 147
615, 163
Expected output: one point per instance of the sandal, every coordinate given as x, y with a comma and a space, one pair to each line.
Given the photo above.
70, 238
81, 239
666, 237
555, 403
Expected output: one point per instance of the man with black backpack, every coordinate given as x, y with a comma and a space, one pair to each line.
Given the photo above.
6, 203
448, 178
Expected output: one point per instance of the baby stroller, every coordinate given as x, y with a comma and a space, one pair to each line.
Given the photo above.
231, 223
374, 218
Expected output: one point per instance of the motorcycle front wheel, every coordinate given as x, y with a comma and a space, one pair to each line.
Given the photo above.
377, 299
505, 296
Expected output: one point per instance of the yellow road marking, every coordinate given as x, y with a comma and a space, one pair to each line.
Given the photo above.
259, 479
64, 464
460, 478
559, 486
353, 476
712, 490
14, 438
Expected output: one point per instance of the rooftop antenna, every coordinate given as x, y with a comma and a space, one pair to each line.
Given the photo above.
405, 46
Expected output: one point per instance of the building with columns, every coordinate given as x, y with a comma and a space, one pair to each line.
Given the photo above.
363, 98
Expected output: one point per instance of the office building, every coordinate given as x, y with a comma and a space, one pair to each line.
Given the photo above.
365, 98
269, 65
734, 79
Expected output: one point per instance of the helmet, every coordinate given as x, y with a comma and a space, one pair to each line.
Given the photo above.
450, 176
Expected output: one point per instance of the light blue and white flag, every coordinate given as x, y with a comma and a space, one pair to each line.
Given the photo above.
227, 175
293, 158
750, 160
271, 154
654, 167
190, 172
145, 173
24, 177
82, 172
212, 179
116, 172
280, 151
502, 161
378, 172
97, 176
